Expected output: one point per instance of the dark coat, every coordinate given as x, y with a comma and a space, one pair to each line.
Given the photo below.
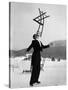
36, 57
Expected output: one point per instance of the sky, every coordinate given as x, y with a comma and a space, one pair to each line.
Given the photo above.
22, 26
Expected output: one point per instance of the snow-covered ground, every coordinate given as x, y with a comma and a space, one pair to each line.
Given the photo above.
53, 73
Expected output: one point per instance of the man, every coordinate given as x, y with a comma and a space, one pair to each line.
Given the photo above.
36, 58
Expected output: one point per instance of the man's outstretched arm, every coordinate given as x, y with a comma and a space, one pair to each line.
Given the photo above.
45, 46
28, 49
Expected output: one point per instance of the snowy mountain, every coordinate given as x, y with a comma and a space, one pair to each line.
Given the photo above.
60, 43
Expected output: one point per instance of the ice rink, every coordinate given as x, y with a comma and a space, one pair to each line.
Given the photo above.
53, 73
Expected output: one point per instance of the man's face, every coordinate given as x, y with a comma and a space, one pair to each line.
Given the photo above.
37, 37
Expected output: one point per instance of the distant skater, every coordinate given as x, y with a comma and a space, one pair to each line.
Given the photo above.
36, 58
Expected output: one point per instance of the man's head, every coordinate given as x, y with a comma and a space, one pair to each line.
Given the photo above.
35, 36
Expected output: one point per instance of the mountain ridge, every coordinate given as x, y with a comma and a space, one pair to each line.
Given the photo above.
58, 50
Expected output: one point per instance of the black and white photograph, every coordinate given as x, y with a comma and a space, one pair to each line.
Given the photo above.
37, 45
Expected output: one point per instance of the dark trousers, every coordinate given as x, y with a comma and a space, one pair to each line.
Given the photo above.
35, 73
